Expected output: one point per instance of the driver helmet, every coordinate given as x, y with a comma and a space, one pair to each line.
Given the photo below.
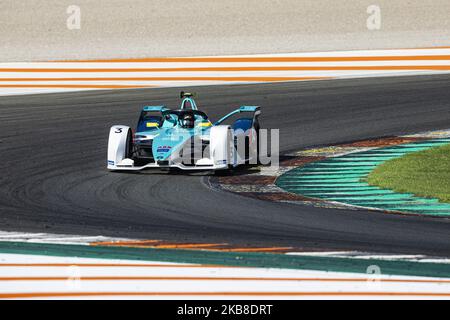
188, 120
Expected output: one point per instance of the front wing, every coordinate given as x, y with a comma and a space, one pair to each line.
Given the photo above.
205, 164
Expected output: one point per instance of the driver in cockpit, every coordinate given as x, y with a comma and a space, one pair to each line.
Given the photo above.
188, 121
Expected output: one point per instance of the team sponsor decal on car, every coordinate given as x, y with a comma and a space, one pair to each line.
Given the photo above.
163, 149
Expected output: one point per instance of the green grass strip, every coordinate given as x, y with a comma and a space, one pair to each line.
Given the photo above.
425, 173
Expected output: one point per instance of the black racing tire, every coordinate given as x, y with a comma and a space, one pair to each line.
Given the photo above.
129, 146
247, 151
256, 126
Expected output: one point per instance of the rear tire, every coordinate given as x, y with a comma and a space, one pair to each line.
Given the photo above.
256, 126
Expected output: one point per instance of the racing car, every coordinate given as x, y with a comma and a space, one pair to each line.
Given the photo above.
186, 139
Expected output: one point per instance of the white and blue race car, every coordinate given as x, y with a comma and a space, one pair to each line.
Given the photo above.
186, 139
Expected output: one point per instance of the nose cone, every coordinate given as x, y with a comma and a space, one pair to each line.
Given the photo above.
168, 141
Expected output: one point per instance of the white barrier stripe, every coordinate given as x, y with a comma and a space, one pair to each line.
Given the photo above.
163, 65
127, 277
15, 77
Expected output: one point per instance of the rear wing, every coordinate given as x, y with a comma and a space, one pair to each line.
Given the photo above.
155, 108
256, 110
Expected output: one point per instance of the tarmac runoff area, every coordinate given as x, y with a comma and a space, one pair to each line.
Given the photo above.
48, 30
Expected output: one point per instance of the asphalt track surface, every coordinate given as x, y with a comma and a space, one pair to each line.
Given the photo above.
53, 157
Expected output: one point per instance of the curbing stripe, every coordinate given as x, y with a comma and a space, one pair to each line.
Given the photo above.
38, 77
332, 177
248, 259
295, 181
